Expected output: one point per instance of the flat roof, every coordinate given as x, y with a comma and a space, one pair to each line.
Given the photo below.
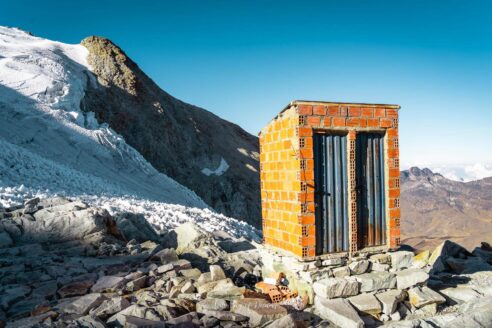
315, 102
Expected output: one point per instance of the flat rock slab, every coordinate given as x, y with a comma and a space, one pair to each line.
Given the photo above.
77, 288
336, 287
82, 305
410, 277
390, 299
421, 296
212, 304
338, 311
259, 311
227, 293
366, 303
460, 294
374, 281
401, 259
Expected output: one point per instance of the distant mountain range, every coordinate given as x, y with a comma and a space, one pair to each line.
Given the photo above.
435, 208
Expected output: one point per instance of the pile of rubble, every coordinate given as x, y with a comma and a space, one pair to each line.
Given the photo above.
447, 287
64, 264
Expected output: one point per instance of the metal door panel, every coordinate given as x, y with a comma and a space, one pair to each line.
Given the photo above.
370, 189
330, 164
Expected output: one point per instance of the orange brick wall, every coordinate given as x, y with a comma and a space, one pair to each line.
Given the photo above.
287, 170
280, 183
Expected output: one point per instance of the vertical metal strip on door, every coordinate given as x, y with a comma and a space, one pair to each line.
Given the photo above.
370, 187
330, 170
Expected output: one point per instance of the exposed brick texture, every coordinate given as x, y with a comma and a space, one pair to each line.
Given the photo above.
287, 170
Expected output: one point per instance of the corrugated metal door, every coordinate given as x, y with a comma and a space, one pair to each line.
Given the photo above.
330, 173
370, 189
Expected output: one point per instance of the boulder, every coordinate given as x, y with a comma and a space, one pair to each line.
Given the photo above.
165, 256
188, 287
108, 284
336, 261
421, 296
209, 322
384, 258
183, 265
111, 306
12, 293
209, 286
72, 221
212, 304
186, 320
338, 311
33, 321
136, 284
165, 268
366, 303
227, 293
82, 304
5, 240
89, 321
486, 255
475, 313
187, 234
259, 311
216, 273
119, 319
341, 272
376, 281
421, 259
469, 265
335, 287
135, 226
77, 288
390, 299
447, 249
378, 267
401, 260
136, 322
410, 277
226, 316
359, 267
191, 273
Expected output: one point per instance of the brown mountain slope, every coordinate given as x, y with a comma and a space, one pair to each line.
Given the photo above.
435, 208
183, 141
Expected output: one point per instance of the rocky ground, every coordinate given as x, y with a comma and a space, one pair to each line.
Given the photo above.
65, 264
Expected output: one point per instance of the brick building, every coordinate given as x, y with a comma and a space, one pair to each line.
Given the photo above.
330, 178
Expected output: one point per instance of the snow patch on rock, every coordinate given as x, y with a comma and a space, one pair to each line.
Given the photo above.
221, 169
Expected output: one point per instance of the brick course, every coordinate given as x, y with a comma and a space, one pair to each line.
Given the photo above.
287, 170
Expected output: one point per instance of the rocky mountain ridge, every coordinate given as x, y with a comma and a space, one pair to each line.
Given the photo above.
213, 157
435, 208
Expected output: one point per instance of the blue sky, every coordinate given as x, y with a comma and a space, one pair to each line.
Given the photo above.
245, 60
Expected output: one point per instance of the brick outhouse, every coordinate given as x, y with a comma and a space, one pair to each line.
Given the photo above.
330, 178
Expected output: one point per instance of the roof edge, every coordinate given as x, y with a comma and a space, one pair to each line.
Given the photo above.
314, 102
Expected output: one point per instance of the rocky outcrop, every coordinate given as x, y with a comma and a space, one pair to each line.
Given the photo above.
215, 158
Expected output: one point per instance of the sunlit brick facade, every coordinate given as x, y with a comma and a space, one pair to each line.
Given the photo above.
287, 171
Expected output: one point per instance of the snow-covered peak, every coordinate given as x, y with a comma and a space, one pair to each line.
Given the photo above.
49, 146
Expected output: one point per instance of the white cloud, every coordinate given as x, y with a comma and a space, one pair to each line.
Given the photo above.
463, 172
